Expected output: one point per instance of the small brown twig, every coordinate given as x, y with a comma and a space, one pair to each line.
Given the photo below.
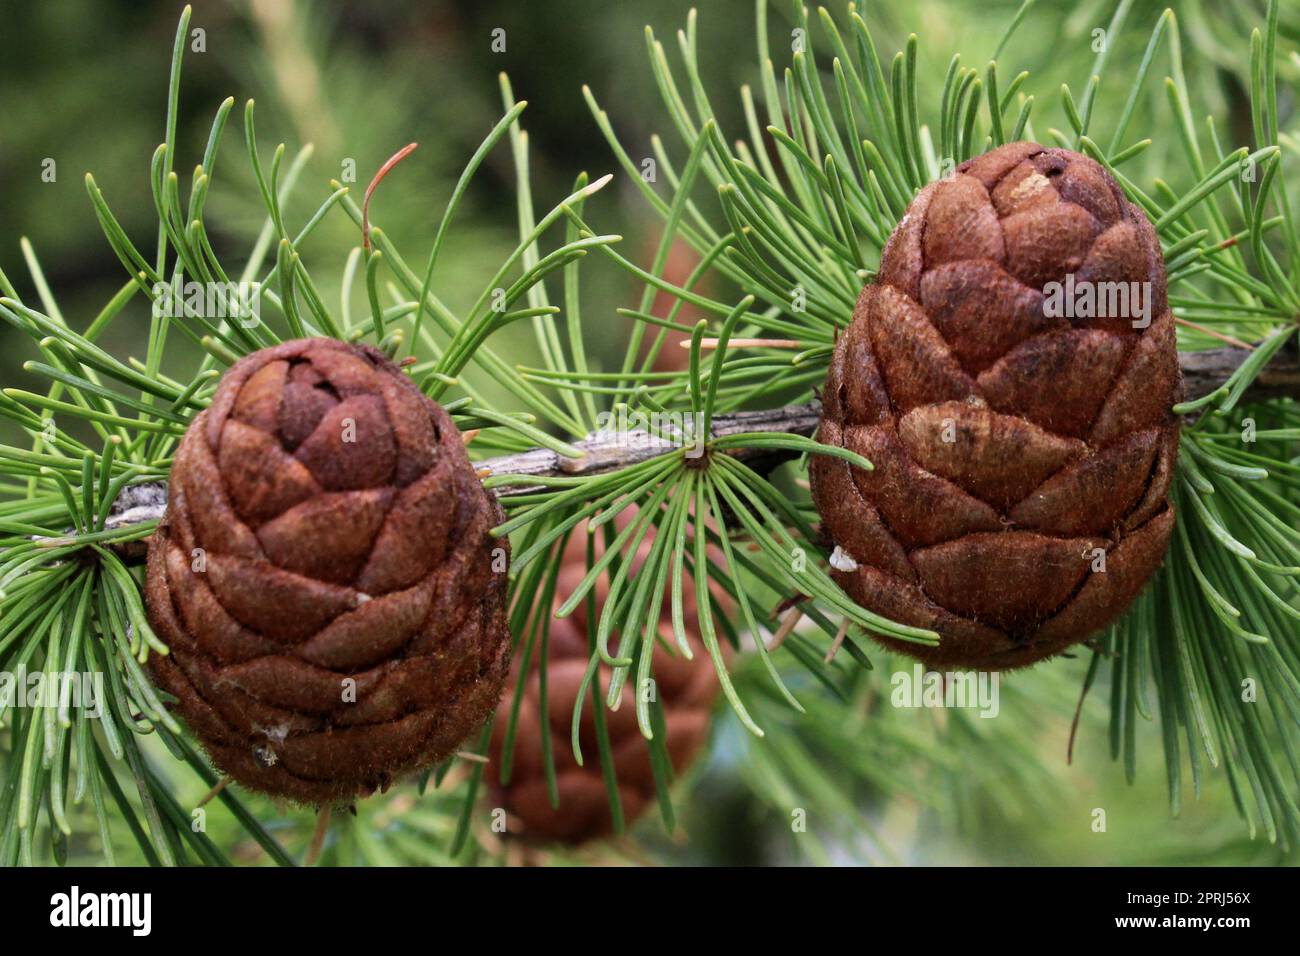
318, 836
1203, 372
748, 344
216, 789
786, 629
1213, 334
839, 640
384, 170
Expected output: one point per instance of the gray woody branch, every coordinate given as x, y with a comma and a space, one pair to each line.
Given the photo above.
1203, 372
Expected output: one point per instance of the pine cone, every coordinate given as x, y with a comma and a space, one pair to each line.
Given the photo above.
1009, 441
686, 688
324, 576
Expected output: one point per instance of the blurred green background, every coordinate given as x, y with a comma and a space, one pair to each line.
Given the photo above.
85, 87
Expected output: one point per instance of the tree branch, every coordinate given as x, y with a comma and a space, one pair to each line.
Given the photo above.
1203, 372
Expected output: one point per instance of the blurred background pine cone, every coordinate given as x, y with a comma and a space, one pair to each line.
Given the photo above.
1018, 442
686, 688
324, 577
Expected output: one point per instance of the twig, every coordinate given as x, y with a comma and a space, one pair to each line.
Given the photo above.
1204, 330
748, 344
1203, 372
786, 629
384, 170
836, 644
216, 789
609, 451
318, 836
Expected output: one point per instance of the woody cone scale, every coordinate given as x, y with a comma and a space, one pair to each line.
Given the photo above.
685, 689
324, 577
1022, 458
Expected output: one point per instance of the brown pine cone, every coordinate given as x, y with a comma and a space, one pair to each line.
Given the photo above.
1009, 440
324, 577
686, 688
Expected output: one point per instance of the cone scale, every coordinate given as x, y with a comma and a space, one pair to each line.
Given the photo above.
324, 577
685, 689
1010, 374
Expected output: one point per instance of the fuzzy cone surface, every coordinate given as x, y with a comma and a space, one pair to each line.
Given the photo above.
1008, 445
324, 524
686, 689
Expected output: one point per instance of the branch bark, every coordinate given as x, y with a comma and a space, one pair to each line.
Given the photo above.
1203, 372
